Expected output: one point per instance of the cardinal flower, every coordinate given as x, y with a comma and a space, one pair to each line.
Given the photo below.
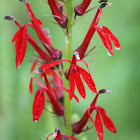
39, 100
74, 76
59, 136
83, 47
101, 113
78, 127
22, 36
44, 39
105, 34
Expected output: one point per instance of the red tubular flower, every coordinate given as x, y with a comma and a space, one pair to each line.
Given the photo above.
59, 136
106, 120
80, 9
83, 47
78, 127
44, 39
58, 13
22, 36
74, 77
53, 98
103, 32
50, 93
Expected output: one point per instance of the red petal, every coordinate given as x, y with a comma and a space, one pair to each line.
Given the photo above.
71, 83
31, 86
23, 50
99, 126
52, 64
97, 17
113, 38
105, 39
90, 115
80, 85
39, 83
16, 35
20, 46
88, 79
34, 64
107, 121
38, 104
37, 21
75, 97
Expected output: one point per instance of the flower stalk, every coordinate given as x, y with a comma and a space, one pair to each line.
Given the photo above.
68, 56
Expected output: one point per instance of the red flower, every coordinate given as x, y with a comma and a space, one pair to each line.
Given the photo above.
59, 136
98, 123
78, 127
74, 77
103, 32
44, 39
58, 13
21, 37
80, 9
83, 47
39, 102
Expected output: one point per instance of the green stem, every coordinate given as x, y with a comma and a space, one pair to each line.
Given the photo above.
68, 56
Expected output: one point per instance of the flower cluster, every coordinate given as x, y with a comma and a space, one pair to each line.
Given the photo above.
52, 69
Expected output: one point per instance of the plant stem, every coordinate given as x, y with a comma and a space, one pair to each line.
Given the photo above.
68, 56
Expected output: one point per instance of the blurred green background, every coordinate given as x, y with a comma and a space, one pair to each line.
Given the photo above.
119, 73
